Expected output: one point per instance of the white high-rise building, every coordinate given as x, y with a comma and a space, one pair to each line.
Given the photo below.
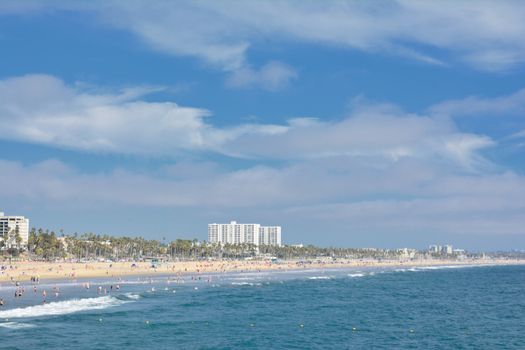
236, 233
447, 249
270, 235
9, 226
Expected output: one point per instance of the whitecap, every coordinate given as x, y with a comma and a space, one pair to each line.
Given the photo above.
132, 296
16, 325
63, 307
319, 278
441, 267
353, 275
242, 284
246, 284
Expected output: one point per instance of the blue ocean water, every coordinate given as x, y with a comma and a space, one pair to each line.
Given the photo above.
418, 308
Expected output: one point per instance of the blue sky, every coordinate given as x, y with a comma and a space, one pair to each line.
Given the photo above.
389, 123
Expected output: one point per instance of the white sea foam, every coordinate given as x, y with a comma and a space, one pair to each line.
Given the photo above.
319, 278
438, 267
353, 275
245, 284
242, 278
16, 325
63, 307
132, 296
446, 267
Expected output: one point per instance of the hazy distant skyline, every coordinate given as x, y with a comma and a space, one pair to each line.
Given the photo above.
388, 123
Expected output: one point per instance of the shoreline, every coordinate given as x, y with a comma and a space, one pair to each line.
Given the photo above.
23, 271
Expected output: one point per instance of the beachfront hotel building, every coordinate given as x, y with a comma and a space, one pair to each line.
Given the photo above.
270, 235
8, 227
236, 233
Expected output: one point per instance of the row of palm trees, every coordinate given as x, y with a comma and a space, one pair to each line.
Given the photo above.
47, 245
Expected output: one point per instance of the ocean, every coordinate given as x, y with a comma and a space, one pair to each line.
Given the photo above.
480, 307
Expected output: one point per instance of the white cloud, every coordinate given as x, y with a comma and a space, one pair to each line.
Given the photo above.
368, 132
485, 34
43, 109
501, 106
377, 169
356, 196
272, 76
517, 135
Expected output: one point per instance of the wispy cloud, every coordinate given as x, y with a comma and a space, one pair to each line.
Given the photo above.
501, 106
349, 195
367, 132
43, 109
487, 35
272, 76
377, 168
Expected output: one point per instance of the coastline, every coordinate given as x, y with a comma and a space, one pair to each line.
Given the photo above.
22, 271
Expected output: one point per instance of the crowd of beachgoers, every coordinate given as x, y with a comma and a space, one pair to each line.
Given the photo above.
26, 270
25, 276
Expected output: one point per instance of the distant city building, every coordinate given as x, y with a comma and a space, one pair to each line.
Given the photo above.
407, 253
434, 249
236, 233
438, 249
9, 225
270, 235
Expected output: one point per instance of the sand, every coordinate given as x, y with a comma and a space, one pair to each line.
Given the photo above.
24, 270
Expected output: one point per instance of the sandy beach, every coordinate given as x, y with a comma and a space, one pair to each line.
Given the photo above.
24, 270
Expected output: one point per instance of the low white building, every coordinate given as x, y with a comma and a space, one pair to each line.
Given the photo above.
9, 225
236, 233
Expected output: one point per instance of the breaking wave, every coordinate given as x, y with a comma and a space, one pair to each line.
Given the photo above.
437, 267
245, 284
63, 307
129, 296
16, 325
353, 275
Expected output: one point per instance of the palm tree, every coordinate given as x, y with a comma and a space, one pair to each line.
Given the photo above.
18, 238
